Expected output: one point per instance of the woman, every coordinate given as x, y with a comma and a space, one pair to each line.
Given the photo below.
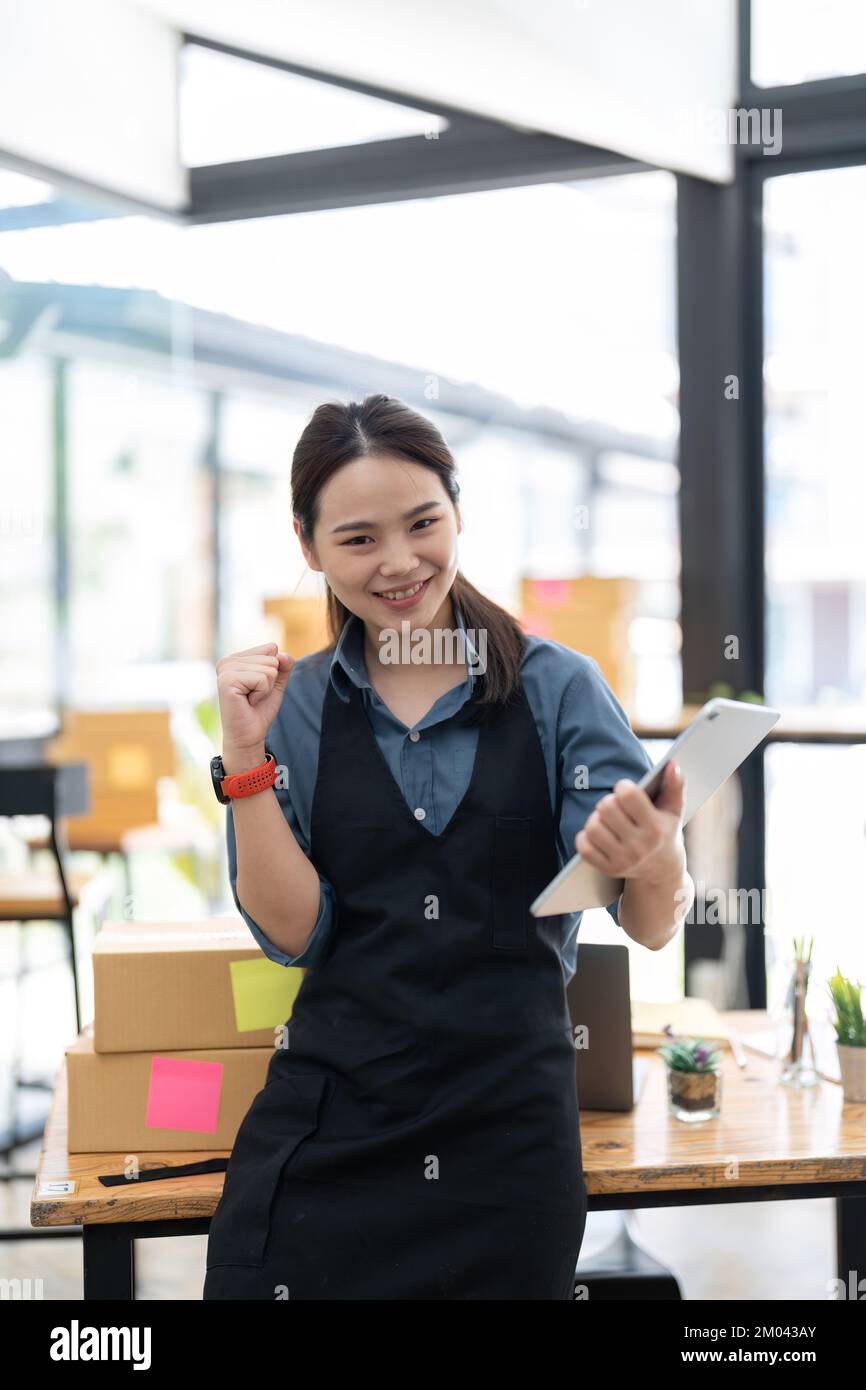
417, 1135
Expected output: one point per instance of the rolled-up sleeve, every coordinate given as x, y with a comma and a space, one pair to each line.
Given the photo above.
597, 747
320, 938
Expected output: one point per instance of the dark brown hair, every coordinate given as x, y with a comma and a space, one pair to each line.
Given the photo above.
336, 434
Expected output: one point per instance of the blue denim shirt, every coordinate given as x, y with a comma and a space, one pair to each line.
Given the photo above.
579, 720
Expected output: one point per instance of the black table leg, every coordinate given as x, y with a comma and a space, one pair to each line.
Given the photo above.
851, 1245
109, 1262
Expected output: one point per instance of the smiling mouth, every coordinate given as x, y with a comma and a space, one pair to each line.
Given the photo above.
402, 593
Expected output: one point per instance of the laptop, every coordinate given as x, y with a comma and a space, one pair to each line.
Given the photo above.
609, 1076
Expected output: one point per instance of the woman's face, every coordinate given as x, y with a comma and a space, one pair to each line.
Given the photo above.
387, 525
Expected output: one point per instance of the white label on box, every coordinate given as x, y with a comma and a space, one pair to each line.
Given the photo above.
57, 1187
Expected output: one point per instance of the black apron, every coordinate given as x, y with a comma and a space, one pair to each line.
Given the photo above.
419, 1137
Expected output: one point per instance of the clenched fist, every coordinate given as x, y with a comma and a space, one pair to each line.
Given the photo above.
250, 685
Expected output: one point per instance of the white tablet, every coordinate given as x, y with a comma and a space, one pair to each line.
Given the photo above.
720, 737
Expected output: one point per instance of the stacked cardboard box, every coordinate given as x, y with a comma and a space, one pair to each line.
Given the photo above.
187, 1016
590, 615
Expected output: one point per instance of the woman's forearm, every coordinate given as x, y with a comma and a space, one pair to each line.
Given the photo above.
652, 912
276, 883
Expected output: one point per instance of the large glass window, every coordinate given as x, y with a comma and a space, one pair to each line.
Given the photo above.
815, 225
816, 860
28, 630
802, 41
816, 484
257, 436
142, 572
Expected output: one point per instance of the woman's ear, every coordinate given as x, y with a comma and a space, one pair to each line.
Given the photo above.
309, 552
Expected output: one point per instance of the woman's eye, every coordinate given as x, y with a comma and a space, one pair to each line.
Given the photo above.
425, 521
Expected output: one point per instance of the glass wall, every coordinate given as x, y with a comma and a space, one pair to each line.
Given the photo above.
140, 530
800, 41
815, 226
28, 632
257, 434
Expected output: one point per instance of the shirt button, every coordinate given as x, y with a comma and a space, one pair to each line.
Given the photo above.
414, 735
420, 813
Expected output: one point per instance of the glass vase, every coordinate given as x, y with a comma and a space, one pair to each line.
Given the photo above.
798, 1068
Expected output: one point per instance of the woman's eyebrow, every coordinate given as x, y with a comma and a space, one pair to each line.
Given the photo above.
371, 525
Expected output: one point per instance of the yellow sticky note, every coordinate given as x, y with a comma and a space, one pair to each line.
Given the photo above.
263, 992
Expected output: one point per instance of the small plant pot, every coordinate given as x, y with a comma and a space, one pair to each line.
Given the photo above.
694, 1095
852, 1065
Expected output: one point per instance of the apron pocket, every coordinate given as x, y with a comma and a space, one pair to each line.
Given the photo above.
283, 1114
510, 860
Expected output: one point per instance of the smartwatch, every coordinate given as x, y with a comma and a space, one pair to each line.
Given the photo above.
254, 779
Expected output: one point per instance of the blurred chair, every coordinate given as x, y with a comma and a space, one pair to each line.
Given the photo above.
27, 896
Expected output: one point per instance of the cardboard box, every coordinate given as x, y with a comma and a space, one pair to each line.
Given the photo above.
126, 752
302, 624
175, 985
591, 615
112, 1096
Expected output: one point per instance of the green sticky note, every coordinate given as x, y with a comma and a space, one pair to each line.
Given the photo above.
264, 992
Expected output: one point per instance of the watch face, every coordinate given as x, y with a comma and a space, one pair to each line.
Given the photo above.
217, 773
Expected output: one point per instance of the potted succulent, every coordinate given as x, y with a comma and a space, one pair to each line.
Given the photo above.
694, 1077
850, 1035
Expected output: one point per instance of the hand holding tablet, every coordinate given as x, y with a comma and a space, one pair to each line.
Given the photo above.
718, 740
631, 835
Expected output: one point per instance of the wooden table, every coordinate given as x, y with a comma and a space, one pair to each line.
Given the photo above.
785, 1146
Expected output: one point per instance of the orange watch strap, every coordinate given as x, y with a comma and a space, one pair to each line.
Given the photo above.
256, 779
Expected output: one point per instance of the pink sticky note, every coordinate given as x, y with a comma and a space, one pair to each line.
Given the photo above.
184, 1094
539, 627
551, 592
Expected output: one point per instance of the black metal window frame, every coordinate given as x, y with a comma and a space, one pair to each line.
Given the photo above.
473, 154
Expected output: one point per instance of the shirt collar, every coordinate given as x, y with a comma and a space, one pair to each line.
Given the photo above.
347, 663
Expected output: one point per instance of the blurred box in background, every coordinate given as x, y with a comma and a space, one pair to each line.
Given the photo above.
127, 752
590, 615
302, 623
